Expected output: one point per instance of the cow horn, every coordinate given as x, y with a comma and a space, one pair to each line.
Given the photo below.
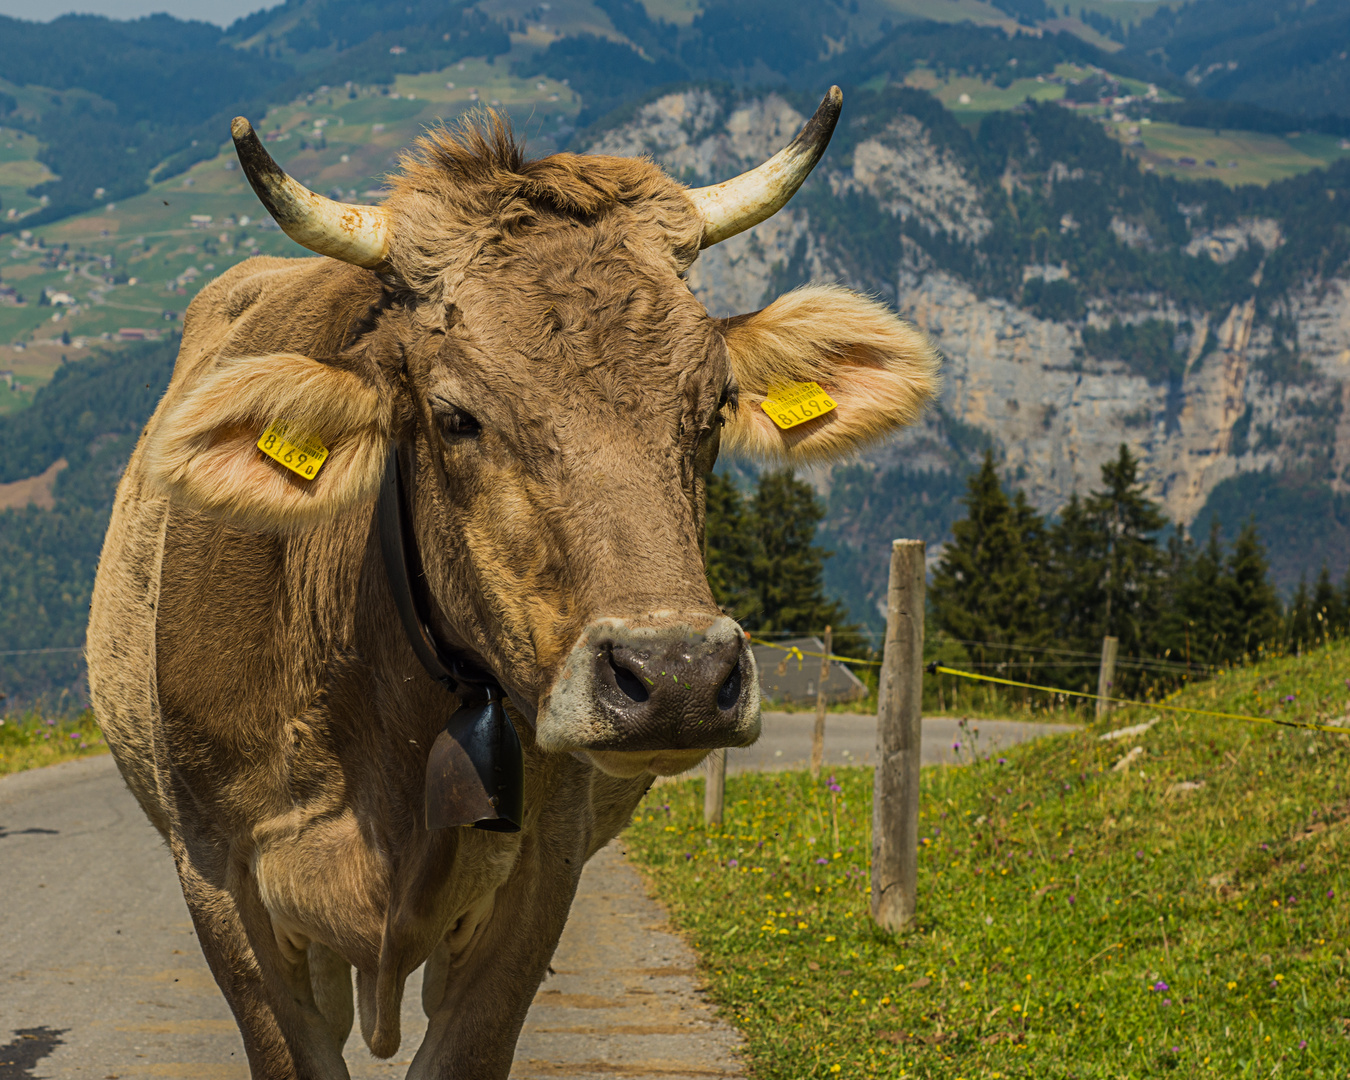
354, 234
743, 201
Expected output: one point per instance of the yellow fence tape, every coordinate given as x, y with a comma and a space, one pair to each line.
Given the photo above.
938, 669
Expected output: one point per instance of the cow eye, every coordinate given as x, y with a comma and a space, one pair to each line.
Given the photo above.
458, 424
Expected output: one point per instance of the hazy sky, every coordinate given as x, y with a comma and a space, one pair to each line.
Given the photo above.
222, 12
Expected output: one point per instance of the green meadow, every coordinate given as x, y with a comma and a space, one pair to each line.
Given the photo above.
1169, 903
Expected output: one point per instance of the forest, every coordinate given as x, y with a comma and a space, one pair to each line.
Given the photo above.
90, 414
1020, 592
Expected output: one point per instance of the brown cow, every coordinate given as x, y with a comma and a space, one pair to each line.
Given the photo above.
523, 333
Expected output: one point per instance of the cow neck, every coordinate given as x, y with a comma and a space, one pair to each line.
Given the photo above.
407, 581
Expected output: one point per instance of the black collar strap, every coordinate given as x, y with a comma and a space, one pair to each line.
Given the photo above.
475, 772
407, 581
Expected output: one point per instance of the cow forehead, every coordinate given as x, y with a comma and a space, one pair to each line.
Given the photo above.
585, 312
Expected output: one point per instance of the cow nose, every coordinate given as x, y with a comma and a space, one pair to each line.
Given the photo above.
684, 692
702, 674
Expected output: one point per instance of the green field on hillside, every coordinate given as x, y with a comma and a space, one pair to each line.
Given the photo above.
1180, 913
135, 265
1233, 157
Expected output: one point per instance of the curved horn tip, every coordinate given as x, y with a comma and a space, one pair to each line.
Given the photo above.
744, 201
350, 233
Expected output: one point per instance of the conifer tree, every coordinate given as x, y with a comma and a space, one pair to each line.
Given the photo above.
1327, 614
1128, 524
787, 564
730, 548
764, 567
1202, 603
1298, 630
986, 586
1254, 608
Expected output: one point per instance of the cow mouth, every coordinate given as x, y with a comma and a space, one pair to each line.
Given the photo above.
652, 696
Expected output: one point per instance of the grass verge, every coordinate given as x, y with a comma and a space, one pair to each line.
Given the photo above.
35, 738
1184, 914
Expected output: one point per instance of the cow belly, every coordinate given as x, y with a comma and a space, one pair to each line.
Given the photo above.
120, 645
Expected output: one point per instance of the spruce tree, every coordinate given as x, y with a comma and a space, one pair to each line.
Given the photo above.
764, 567
986, 586
1327, 615
1298, 631
1128, 524
1254, 608
787, 565
1203, 603
730, 547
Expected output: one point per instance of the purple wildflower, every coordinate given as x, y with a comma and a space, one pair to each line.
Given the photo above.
956, 746
822, 862
733, 863
1303, 1044
1161, 986
1167, 1001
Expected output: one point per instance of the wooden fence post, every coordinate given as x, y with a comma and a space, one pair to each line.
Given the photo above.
895, 792
818, 734
1106, 675
715, 786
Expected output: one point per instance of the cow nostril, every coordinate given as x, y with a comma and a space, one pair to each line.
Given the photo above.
629, 683
730, 691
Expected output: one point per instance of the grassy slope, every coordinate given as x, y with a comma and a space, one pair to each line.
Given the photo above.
34, 739
1073, 920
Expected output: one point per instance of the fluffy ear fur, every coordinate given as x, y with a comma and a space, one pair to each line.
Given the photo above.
880, 370
202, 451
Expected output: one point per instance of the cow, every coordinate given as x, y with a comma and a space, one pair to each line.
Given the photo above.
516, 344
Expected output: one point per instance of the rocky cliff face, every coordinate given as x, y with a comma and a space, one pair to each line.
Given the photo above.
1056, 414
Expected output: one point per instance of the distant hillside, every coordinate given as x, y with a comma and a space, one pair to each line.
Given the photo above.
89, 416
1111, 238
1285, 55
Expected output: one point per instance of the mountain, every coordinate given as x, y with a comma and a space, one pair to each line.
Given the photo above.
1285, 55
1080, 301
1110, 239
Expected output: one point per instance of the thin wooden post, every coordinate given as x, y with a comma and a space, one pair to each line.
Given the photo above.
715, 787
895, 792
1106, 675
818, 734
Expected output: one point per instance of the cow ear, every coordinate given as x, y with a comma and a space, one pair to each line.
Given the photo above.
202, 449
879, 370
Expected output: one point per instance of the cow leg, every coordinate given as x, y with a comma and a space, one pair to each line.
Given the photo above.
476, 1017
331, 979
288, 1034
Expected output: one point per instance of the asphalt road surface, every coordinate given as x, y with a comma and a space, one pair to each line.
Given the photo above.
101, 975
850, 739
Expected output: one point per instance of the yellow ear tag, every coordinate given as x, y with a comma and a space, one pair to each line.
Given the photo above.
796, 403
303, 455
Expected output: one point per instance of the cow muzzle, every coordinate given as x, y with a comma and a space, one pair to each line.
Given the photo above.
653, 697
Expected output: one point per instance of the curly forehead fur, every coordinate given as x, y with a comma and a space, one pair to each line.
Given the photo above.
467, 190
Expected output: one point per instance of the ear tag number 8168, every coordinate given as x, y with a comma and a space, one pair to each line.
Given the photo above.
796, 403
303, 455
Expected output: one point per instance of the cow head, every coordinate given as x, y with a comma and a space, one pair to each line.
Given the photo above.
559, 395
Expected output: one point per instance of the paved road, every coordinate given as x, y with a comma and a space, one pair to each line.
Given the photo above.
850, 739
101, 975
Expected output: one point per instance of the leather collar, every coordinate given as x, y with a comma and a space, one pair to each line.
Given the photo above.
407, 581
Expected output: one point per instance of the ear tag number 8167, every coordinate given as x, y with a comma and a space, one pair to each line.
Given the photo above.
796, 403
303, 455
